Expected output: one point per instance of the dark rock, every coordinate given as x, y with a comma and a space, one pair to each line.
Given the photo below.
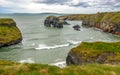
53, 21
76, 27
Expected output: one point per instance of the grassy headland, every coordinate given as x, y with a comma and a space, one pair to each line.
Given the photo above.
9, 32
96, 52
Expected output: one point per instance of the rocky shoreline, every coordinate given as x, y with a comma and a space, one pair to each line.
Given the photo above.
107, 21
9, 32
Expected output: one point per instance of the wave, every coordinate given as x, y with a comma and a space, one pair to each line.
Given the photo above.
43, 46
29, 60
70, 42
61, 64
73, 42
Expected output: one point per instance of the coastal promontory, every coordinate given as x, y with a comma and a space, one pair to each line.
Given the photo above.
95, 52
9, 32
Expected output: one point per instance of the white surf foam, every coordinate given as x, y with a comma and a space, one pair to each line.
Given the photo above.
61, 64
43, 46
28, 60
74, 42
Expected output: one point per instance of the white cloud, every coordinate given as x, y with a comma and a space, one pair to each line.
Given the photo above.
60, 6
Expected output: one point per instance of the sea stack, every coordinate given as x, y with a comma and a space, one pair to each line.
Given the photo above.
9, 32
53, 21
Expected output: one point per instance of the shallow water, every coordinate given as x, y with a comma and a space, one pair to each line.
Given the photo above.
48, 45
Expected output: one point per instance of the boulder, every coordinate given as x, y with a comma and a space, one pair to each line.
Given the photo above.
9, 32
76, 27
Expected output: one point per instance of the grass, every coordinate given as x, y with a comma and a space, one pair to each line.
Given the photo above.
98, 46
7, 21
13, 68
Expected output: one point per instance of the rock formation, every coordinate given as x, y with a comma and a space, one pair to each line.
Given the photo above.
9, 32
53, 21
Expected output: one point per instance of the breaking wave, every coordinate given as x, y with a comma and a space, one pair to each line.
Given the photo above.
43, 46
70, 42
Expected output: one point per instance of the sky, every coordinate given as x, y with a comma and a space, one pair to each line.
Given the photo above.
58, 6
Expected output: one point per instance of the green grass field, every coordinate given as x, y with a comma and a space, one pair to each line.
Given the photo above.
12, 68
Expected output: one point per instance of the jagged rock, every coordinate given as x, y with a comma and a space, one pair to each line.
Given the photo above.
53, 21
9, 32
76, 27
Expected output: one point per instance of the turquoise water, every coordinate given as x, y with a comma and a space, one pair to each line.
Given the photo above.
48, 45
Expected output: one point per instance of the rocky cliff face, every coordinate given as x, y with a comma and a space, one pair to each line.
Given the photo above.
97, 52
107, 22
9, 32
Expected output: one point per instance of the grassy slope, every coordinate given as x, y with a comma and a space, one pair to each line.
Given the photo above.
12, 68
8, 31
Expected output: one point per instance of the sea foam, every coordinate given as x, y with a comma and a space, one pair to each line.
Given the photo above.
61, 64
43, 46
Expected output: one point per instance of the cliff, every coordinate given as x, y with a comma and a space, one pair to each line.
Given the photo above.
96, 52
107, 21
9, 32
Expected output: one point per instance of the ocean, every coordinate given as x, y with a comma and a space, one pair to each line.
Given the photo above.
48, 45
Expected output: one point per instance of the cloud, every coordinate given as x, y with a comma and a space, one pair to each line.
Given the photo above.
60, 6
61, 2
